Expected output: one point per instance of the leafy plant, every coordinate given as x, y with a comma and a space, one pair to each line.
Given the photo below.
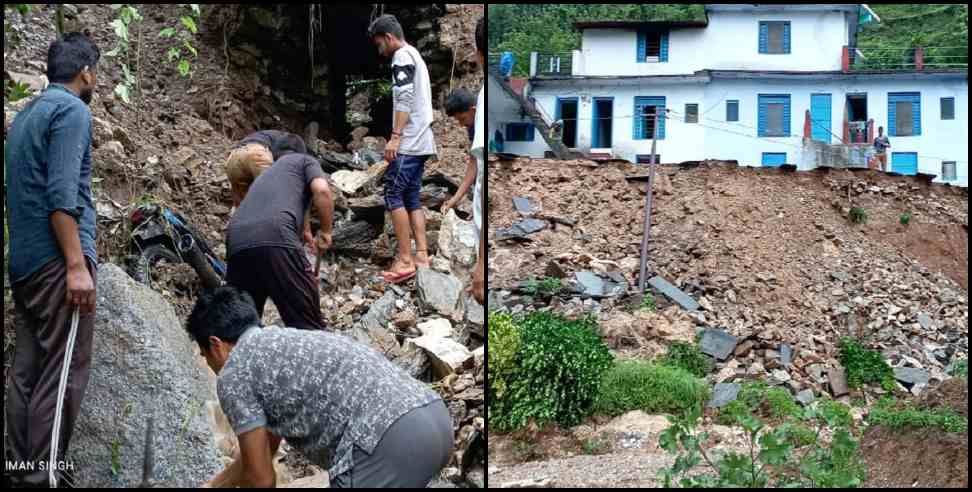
689, 357
558, 373
503, 340
548, 287
905, 218
595, 446
127, 15
789, 455
858, 215
961, 369
651, 388
16, 91
648, 302
182, 36
865, 366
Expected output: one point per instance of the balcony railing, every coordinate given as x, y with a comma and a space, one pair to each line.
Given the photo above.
554, 64
896, 59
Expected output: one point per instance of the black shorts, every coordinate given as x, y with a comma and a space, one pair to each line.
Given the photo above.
284, 275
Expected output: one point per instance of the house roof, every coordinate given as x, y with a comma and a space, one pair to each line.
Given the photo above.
519, 84
707, 75
580, 26
780, 7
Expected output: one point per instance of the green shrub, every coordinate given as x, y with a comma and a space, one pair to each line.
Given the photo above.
558, 374
905, 218
858, 215
503, 340
548, 287
961, 369
689, 357
651, 388
757, 397
648, 302
865, 366
781, 403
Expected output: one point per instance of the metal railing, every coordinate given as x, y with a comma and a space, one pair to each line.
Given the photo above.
559, 64
923, 58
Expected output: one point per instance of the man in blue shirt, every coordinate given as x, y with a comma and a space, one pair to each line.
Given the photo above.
53, 262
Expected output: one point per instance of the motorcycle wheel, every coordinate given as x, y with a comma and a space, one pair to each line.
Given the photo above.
142, 269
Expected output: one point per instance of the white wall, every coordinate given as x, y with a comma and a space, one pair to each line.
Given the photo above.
718, 139
731, 41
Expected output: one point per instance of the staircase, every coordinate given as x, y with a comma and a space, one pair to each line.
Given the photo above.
533, 113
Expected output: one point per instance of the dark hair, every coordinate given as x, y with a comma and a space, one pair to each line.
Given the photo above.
68, 56
481, 35
386, 24
459, 101
224, 313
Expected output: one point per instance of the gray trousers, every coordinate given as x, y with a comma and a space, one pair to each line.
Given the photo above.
410, 454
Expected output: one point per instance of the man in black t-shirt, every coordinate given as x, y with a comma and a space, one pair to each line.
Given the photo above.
263, 239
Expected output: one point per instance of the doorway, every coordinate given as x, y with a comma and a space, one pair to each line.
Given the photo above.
857, 117
567, 112
603, 122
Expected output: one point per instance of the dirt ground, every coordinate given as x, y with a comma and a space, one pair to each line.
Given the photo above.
921, 458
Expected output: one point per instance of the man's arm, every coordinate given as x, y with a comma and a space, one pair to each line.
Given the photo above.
403, 99
257, 460
479, 276
67, 150
467, 182
324, 202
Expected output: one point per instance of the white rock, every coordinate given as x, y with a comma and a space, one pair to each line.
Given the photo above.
448, 356
439, 327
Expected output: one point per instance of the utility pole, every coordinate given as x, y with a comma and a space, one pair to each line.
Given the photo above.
651, 182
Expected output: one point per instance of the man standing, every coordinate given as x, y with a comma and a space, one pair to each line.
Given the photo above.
53, 260
410, 146
263, 244
478, 287
881, 144
461, 105
345, 406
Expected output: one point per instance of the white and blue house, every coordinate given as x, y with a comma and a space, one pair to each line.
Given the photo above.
763, 85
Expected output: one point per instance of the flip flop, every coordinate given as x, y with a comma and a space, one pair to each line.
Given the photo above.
397, 278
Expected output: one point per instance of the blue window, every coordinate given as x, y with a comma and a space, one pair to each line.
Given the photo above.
644, 120
774, 159
948, 108
519, 132
774, 37
732, 110
774, 115
652, 45
904, 114
904, 163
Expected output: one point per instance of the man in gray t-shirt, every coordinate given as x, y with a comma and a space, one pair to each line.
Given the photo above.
343, 405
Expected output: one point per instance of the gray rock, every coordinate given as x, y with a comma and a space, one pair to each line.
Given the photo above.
438, 292
723, 394
786, 355
598, 286
925, 321
840, 276
838, 382
458, 240
143, 364
521, 229
805, 397
778, 377
911, 376
522, 205
674, 293
718, 344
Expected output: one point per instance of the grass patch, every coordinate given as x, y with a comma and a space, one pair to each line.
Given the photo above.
900, 415
689, 357
858, 215
649, 387
961, 369
648, 302
905, 218
759, 398
548, 287
595, 446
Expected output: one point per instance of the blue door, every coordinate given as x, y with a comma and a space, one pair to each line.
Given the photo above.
774, 159
820, 117
904, 163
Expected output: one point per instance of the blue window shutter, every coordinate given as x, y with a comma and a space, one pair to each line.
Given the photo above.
641, 47
786, 37
661, 118
664, 47
639, 109
761, 125
892, 116
786, 116
916, 114
732, 110
763, 37
640, 103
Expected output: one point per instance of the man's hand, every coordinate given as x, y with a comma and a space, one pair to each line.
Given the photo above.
309, 240
478, 287
323, 242
80, 288
448, 205
391, 148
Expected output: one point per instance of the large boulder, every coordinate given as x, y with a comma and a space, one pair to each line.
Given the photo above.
458, 241
143, 364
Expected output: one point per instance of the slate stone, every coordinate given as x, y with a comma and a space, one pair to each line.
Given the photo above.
674, 293
911, 376
718, 344
723, 394
805, 397
521, 229
522, 205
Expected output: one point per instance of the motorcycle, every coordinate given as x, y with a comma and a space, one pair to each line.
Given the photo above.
162, 234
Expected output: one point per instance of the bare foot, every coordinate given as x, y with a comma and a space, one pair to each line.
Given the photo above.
399, 268
422, 259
